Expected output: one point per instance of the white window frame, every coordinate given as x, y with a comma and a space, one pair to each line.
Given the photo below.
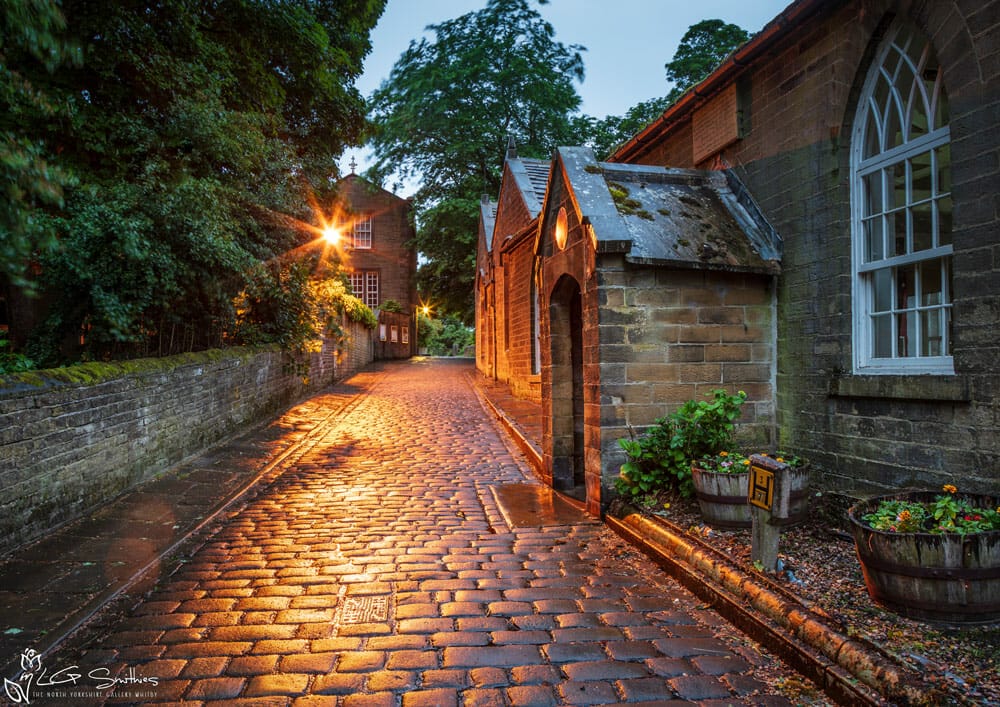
362, 234
878, 168
364, 284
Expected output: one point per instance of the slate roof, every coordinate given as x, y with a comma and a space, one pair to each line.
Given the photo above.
681, 217
531, 177
488, 219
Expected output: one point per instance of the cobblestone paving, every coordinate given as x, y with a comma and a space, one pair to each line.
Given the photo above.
377, 569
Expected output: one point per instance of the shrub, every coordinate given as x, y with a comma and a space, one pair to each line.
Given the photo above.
661, 457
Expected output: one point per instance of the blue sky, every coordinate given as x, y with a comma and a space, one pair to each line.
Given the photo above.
627, 41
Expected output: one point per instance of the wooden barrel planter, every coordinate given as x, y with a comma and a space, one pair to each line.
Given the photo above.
722, 497
798, 500
947, 578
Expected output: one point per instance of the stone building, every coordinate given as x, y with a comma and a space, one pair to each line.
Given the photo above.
381, 261
507, 318
866, 131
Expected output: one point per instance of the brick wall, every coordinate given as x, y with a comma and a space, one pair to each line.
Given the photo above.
517, 324
392, 254
873, 433
72, 439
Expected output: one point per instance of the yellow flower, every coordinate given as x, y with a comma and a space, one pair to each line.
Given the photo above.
723, 454
779, 460
949, 488
746, 462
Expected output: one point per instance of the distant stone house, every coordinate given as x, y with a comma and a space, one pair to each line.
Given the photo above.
381, 261
866, 132
507, 320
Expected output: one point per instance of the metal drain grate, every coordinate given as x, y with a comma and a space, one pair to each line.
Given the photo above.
366, 609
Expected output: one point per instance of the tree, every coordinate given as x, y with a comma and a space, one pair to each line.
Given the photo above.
196, 133
702, 49
445, 113
604, 135
30, 43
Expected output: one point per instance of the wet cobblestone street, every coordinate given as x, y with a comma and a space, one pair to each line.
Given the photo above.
376, 567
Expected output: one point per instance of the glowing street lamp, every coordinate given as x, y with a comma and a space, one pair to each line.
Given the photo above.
331, 235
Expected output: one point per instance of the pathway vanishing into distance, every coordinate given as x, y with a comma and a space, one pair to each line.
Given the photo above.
405, 555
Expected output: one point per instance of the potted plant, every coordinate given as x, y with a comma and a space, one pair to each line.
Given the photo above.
931, 556
721, 482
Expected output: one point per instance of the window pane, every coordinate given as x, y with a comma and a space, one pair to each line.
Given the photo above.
932, 326
943, 155
874, 247
872, 138
873, 194
897, 222
920, 171
898, 185
906, 296
923, 227
882, 336
931, 288
905, 87
882, 283
944, 220
906, 336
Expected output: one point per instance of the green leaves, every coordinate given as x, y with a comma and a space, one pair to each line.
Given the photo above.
702, 49
445, 113
186, 143
661, 457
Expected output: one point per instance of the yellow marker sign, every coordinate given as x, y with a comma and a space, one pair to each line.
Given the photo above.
761, 491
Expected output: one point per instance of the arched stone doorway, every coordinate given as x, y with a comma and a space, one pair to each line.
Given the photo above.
567, 400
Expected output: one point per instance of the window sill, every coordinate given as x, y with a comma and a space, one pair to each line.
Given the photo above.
899, 387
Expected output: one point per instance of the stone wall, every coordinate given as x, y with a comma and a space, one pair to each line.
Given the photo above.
668, 336
73, 438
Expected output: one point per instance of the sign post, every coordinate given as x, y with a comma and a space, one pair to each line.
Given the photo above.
769, 496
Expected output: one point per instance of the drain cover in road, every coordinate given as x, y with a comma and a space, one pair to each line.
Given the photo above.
366, 609
531, 505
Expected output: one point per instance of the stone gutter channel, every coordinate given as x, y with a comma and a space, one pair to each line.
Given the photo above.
849, 670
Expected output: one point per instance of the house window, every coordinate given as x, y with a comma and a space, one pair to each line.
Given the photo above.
363, 233
902, 212
365, 287
405, 334
394, 333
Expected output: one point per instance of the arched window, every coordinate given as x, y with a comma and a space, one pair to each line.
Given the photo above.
902, 212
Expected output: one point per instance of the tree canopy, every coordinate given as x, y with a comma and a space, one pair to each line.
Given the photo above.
702, 49
445, 113
177, 152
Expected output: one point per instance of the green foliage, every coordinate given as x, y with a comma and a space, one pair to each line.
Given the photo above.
31, 48
948, 513
703, 47
294, 304
391, 305
661, 457
13, 362
445, 114
604, 135
191, 138
444, 336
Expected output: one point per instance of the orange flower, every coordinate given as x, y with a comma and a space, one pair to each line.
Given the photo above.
723, 454
949, 488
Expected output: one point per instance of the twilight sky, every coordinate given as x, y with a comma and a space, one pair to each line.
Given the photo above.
627, 41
